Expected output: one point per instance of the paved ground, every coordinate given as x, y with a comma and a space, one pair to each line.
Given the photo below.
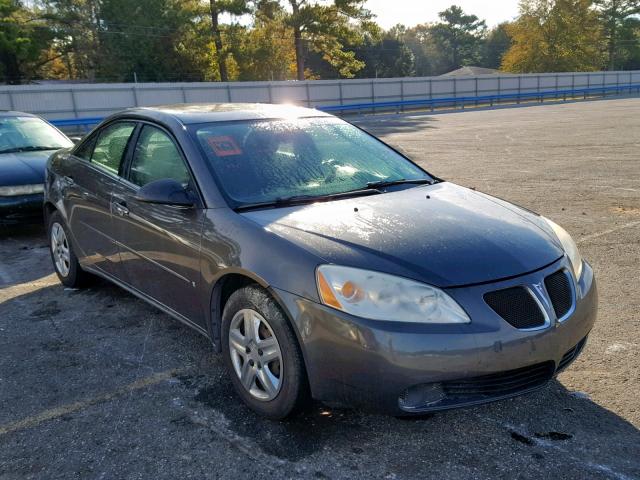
96, 384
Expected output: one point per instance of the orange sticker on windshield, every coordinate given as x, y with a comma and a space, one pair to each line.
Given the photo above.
224, 146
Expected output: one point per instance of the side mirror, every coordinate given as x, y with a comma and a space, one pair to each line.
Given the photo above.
165, 192
75, 140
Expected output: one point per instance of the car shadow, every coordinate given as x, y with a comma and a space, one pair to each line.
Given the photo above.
387, 124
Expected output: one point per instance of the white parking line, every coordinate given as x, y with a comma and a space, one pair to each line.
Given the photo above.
606, 232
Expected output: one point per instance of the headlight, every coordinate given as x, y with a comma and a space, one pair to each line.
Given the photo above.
378, 296
13, 190
569, 246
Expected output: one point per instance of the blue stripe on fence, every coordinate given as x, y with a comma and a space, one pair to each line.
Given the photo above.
480, 99
428, 102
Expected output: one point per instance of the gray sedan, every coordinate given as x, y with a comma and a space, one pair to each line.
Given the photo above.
319, 261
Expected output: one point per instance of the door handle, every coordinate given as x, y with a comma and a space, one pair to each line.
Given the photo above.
120, 208
69, 181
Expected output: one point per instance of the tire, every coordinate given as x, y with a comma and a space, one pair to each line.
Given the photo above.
252, 305
65, 262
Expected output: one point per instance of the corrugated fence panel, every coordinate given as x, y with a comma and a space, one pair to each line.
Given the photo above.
207, 94
97, 100
290, 93
324, 93
104, 99
43, 101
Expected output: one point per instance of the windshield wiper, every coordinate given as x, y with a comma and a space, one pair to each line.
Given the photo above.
302, 199
399, 181
29, 149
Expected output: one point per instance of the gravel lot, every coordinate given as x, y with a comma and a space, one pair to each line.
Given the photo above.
96, 384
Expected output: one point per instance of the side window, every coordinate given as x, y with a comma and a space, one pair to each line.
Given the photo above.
111, 144
156, 157
85, 149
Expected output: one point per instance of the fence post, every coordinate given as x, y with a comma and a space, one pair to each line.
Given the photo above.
476, 91
373, 95
307, 93
340, 92
402, 94
12, 105
455, 92
73, 103
184, 94
228, 92
135, 95
269, 94
519, 88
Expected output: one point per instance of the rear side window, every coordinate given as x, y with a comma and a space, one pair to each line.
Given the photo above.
85, 149
156, 157
111, 144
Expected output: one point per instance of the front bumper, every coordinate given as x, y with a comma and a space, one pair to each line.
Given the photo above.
378, 364
19, 207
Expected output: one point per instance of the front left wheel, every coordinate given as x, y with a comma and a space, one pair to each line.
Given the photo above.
63, 257
262, 354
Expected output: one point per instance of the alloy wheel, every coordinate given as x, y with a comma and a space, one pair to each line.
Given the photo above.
60, 249
255, 354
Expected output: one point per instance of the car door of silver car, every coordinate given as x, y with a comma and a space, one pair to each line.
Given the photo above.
159, 244
89, 178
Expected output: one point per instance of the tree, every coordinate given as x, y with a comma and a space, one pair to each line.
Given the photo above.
152, 40
266, 51
75, 24
628, 49
419, 40
216, 8
554, 36
325, 28
386, 55
615, 16
496, 45
459, 37
23, 42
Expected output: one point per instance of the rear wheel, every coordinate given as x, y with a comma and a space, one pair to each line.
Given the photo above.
64, 259
262, 354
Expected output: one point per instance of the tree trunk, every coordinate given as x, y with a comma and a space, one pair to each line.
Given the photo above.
217, 40
612, 46
297, 39
11, 68
297, 36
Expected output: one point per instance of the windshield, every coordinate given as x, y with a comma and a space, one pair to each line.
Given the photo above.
266, 160
29, 133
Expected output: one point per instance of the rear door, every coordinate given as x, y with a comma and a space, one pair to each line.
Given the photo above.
160, 244
90, 177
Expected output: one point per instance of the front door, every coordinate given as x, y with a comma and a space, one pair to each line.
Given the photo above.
159, 244
90, 176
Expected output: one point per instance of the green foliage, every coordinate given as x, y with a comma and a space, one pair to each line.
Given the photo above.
210, 40
554, 36
23, 42
619, 26
496, 44
458, 38
387, 56
325, 28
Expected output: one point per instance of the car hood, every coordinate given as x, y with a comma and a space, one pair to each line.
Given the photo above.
443, 234
23, 168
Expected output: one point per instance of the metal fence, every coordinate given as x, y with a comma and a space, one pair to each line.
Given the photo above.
94, 101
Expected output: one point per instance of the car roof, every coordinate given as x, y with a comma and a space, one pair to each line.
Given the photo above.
13, 113
222, 112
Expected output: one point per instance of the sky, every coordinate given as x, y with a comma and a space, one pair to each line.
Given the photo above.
412, 12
